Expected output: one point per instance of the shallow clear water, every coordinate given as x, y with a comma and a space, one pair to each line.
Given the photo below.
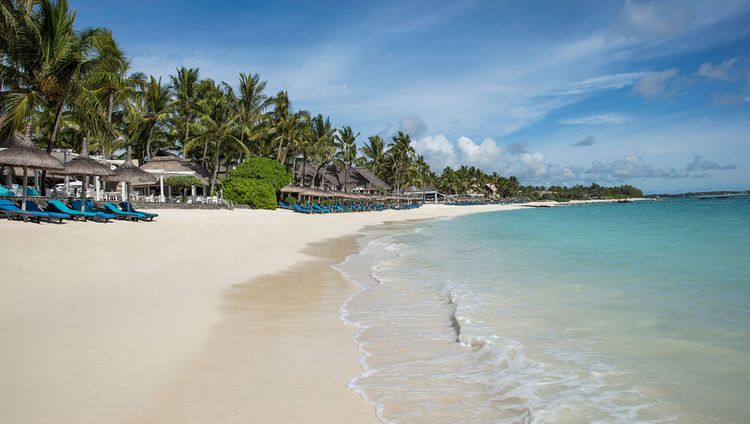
635, 312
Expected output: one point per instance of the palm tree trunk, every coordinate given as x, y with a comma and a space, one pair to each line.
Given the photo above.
52, 138
242, 139
278, 154
110, 105
186, 136
283, 157
55, 128
302, 169
205, 151
215, 175
346, 177
148, 142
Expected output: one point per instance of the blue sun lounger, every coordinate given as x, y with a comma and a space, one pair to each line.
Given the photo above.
127, 207
12, 211
89, 208
34, 207
112, 209
60, 207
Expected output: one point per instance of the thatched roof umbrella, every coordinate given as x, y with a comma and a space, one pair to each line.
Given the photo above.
131, 174
84, 166
21, 152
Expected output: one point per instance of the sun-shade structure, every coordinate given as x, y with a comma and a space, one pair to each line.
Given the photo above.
131, 174
21, 152
86, 167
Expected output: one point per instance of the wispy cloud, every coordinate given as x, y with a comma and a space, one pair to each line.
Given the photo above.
657, 84
597, 119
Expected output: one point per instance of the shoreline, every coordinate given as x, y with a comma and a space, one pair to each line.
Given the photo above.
100, 320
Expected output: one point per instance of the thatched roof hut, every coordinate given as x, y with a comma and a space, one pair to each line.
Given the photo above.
84, 165
173, 164
129, 173
19, 151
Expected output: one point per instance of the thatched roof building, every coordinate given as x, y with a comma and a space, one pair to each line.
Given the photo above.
172, 164
330, 177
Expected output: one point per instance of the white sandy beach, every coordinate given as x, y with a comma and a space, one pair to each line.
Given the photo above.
202, 316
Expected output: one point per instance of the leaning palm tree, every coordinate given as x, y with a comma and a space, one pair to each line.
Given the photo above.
109, 81
44, 60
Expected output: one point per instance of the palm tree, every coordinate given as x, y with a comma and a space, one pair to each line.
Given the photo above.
217, 124
185, 88
287, 125
44, 60
157, 105
374, 153
399, 158
251, 106
347, 151
322, 146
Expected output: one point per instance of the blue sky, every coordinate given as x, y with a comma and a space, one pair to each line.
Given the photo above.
655, 94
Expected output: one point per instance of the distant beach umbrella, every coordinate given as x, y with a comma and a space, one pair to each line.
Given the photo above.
21, 152
86, 167
131, 174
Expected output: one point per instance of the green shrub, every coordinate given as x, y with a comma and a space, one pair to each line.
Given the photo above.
255, 193
183, 181
265, 169
291, 200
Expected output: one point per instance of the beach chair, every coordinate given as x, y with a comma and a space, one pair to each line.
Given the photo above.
10, 208
60, 207
112, 209
91, 208
127, 207
34, 207
300, 209
11, 211
6, 192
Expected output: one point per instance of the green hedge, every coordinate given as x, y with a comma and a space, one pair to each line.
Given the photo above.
255, 193
265, 169
183, 181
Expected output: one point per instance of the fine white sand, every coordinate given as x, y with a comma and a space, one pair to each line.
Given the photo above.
202, 316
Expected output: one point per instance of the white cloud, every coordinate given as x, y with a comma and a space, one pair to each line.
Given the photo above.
656, 84
604, 82
484, 155
598, 119
533, 167
437, 150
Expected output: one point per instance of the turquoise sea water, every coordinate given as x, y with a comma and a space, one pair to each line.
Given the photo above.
635, 312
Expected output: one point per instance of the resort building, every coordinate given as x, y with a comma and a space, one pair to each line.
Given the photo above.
359, 179
428, 193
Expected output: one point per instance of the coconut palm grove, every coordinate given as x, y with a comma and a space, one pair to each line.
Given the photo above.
62, 84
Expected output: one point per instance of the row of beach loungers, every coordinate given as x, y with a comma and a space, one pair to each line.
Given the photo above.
58, 211
318, 208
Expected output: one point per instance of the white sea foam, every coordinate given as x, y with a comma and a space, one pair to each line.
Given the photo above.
427, 358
